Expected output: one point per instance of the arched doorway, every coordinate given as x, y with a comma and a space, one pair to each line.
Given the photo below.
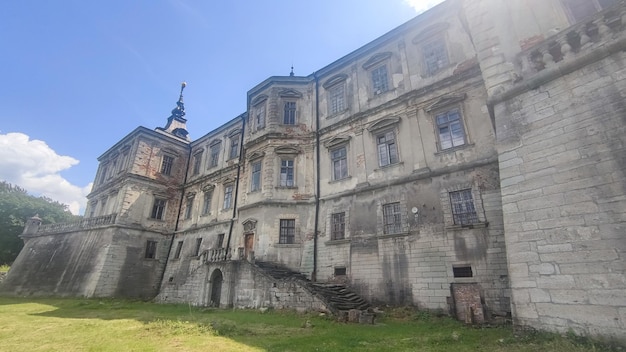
216, 288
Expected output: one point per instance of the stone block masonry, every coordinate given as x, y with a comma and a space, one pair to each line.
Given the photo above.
564, 198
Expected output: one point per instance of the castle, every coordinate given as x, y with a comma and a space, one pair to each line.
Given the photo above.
471, 160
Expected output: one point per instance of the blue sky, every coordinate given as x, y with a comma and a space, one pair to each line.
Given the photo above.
77, 76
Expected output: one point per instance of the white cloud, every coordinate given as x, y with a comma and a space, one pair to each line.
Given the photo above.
34, 166
422, 5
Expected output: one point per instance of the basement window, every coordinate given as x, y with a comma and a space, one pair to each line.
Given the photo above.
462, 271
340, 271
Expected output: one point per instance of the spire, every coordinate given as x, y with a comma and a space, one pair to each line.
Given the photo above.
179, 110
176, 123
291, 73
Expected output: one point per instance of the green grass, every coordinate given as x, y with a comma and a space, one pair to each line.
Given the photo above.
117, 325
4, 268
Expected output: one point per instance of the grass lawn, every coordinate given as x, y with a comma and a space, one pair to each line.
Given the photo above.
47, 324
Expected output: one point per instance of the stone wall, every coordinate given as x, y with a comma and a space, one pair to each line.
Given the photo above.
562, 160
104, 262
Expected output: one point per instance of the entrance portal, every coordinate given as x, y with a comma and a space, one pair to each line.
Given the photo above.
216, 288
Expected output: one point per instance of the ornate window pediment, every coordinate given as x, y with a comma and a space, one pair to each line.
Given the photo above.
385, 123
290, 93
234, 133
249, 225
336, 141
258, 100
208, 188
430, 31
215, 141
376, 59
191, 194
334, 80
445, 101
287, 150
256, 155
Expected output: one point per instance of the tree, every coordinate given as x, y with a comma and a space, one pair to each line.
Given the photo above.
17, 206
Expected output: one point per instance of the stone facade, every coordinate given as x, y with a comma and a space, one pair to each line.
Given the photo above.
470, 161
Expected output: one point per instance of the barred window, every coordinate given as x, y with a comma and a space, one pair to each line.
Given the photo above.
338, 223
463, 211
287, 231
392, 219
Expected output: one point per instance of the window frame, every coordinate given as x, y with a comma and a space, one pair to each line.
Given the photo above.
573, 17
463, 209
260, 115
392, 218
435, 47
391, 155
197, 163
344, 172
233, 151
290, 112
287, 234
255, 176
189, 206
338, 226
179, 249
197, 247
337, 98
207, 199
167, 164
159, 205
214, 154
380, 85
228, 196
151, 249
287, 168
448, 125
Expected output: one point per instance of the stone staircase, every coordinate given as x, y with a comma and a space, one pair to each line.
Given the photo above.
338, 298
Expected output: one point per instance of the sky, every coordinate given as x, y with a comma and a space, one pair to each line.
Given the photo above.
77, 76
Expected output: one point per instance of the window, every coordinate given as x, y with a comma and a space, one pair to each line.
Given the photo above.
228, 196
580, 9
198, 244
338, 226
336, 99
387, 149
450, 128
103, 175
289, 117
435, 55
340, 271
189, 207
197, 161
151, 247
206, 205
340, 163
215, 154
392, 219
234, 147
103, 206
287, 231
220, 240
123, 161
158, 209
259, 116
462, 271
255, 179
286, 173
380, 83
179, 248
463, 211
166, 164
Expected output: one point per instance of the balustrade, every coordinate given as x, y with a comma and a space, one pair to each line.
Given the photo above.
83, 224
